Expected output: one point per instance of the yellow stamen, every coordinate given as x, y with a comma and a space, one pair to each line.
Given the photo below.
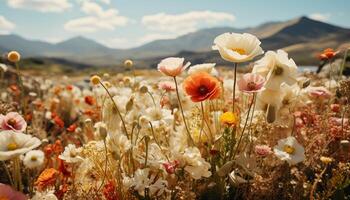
288, 149
239, 50
12, 146
33, 158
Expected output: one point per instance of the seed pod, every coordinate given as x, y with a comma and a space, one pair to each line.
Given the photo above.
130, 104
271, 113
306, 83
143, 89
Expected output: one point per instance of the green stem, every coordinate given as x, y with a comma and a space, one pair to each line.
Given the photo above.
116, 107
244, 127
234, 88
183, 115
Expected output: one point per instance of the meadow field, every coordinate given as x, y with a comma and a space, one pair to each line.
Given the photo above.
181, 131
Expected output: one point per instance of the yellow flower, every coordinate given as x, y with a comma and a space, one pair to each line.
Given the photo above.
128, 63
13, 56
95, 80
229, 118
326, 160
107, 84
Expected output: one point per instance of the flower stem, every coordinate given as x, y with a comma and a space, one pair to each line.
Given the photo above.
244, 127
234, 87
183, 115
106, 163
116, 107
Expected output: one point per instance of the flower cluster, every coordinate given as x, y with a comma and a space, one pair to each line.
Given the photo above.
198, 132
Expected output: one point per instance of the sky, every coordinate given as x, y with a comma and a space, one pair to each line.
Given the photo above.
130, 23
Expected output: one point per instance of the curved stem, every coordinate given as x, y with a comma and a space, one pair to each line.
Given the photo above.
116, 107
182, 112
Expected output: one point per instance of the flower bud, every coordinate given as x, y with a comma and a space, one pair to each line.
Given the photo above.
143, 89
128, 63
95, 80
13, 56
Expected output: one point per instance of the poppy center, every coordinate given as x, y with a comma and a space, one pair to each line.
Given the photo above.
202, 90
278, 71
240, 51
12, 146
33, 158
12, 122
251, 86
288, 149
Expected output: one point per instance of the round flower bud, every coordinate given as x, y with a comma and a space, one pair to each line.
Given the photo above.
143, 89
103, 132
13, 56
107, 84
128, 63
95, 80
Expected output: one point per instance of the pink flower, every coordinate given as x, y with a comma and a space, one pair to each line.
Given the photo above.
171, 166
167, 86
172, 66
7, 192
12, 121
319, 92
262, 150
251, 83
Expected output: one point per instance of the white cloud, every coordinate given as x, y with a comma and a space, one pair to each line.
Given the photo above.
117, 42
155, 36
320, 16
41, 5
97, 19
5, 25
189, 21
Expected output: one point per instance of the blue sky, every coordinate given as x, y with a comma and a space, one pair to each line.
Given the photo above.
129, 23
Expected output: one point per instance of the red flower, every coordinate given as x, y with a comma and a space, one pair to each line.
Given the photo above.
201, 86
58, 121
72, 128
90, 100
69, 87
327, 54
109, 191
171, 166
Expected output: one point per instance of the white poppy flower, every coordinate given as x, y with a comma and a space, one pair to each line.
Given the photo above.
277, 68
13, 144
71, 154
34, 159
205, 67
195, 165
290, 150
236, 47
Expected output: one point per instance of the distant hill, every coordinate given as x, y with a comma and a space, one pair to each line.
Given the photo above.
302, 37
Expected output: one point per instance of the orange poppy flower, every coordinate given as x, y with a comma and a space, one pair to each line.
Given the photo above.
201, 86
328, 54
46, 178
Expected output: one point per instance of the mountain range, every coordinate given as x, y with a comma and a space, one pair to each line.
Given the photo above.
302, 38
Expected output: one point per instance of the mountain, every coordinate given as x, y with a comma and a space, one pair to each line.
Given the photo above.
302, 37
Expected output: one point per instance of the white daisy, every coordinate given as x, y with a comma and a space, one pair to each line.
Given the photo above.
71, 154
34, 159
